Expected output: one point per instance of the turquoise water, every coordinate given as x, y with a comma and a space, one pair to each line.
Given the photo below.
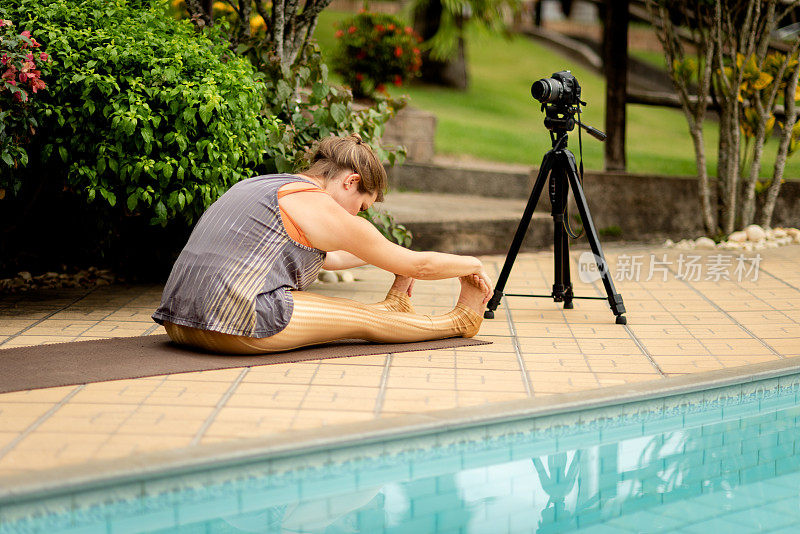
726, 461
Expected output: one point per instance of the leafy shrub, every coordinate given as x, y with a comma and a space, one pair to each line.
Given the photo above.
375, 49
20, 61
145, 116
316, 111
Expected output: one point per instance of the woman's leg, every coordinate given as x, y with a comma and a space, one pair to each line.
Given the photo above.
320, 319
397, 298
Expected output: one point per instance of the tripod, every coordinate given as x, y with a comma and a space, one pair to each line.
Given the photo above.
559, 164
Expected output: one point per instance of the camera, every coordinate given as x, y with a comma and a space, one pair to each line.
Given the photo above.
561, 89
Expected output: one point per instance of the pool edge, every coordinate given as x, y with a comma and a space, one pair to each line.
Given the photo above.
56, 482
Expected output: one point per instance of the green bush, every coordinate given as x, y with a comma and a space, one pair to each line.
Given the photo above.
317, 110
375, 49
143, 115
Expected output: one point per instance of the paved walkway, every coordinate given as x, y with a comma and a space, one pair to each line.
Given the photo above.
725, 311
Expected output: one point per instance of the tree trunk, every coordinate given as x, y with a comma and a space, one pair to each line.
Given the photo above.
728, 165
615, 65
783, 149
451, 72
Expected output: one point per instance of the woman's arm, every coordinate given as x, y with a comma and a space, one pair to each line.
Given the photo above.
330, 227
341, 259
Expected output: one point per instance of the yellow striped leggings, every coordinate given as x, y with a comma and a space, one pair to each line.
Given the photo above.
320, 319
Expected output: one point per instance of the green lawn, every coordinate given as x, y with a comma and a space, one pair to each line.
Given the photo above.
496, 119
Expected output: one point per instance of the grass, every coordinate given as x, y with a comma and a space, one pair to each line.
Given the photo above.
497, 120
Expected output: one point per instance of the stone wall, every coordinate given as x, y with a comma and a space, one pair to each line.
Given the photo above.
643, 207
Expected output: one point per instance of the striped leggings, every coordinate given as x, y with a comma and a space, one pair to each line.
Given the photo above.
321, 319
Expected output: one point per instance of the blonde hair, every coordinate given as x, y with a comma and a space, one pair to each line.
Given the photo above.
334, 155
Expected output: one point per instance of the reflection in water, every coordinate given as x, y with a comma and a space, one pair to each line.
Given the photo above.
717, 464
697, 468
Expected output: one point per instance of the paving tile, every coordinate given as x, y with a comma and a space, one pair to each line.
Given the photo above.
17, 417
10, 326
489, 380
407, 400
412, 377
88, 418
165, 420
48, 396
268, 395
28, 340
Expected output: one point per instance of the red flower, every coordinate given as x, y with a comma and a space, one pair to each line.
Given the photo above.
26, 33
351, 30
339, 33
29, 57
35, 43
379, 28
398, 80
4, 22
391, 27
409, 30
23, 77
381, 88
398, 51
359, 76
4, 59
43, 56
362, 54
37, 84
416, 51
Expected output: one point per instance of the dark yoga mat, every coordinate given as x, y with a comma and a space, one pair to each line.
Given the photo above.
82, 362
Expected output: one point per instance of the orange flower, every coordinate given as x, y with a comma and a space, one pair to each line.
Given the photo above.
339, 33
398, 51
351, 30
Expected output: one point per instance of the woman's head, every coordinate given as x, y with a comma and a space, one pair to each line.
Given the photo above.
339, 157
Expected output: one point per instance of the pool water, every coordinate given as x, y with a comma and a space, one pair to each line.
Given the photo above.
722, 461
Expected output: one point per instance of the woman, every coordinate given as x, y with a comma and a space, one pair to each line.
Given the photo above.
238, 285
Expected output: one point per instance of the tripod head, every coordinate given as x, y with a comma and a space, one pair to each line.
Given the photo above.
560, 96
561, 119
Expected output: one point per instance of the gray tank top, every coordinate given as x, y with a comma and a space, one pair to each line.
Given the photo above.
236, 273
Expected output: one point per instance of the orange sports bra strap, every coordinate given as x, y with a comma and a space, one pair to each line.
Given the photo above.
305, 189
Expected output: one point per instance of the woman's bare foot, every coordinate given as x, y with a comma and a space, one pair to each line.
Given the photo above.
473, 293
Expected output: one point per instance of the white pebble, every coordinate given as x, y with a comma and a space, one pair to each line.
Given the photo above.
669, 243
704, 243
755, 233
777, 233
738, 237
328, 277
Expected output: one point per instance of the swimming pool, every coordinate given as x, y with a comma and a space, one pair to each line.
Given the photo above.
720, 459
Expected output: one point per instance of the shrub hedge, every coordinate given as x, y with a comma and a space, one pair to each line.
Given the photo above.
145, 121
143, 112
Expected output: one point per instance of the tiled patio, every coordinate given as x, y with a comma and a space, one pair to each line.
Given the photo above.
726, 311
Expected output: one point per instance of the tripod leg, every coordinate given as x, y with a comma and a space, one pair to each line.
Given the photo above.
567, 280
614, 298
541, 179
558, 198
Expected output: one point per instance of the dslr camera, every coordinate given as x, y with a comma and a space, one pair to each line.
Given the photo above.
561, 89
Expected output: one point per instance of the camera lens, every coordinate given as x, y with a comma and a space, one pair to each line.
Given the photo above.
546, 90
